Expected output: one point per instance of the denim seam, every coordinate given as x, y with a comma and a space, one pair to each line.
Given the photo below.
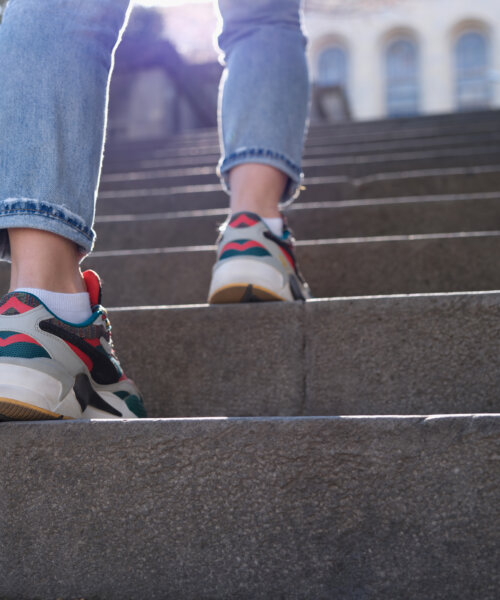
261, 153
45, 213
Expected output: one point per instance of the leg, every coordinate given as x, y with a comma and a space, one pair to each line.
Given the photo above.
50, 158
257, 188
56, 62
262, 118
264, 91
44, 260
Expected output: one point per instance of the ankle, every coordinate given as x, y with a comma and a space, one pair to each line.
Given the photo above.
259, 206
61, 283
45, 261
257, 188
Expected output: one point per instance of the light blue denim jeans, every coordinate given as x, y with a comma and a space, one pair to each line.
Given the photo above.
56, 59
265, 88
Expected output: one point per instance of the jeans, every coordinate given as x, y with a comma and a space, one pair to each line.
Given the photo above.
265, 87
56, 59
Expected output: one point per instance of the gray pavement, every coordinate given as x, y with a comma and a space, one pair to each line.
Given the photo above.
251, 508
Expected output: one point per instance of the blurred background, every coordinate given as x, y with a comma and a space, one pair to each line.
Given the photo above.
369, 59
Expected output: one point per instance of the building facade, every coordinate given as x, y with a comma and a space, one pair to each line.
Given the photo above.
410, 57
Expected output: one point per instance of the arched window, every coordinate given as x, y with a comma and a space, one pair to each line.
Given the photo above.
471, 64
401, 66
332, 67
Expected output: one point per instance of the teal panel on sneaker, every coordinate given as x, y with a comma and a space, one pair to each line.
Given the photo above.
134, 403
20, 345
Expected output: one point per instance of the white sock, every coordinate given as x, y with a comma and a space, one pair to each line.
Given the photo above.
74, 308
275, 224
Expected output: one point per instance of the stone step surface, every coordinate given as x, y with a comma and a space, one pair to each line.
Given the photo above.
341, 267
304, 498
418, 354
350, 218
352, 166
417, 132
331, 146
251, 508
350, 132
426, 182
341, 153
354, 133
472, 119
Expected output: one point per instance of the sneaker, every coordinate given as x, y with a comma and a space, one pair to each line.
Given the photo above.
51, 369
254, 265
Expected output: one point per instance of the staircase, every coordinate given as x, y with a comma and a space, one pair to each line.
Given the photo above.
342, 448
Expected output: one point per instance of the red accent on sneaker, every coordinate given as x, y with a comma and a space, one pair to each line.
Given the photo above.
15, 303
93, 342
242, 247
16, 338
93, 283
242, 220
88, 363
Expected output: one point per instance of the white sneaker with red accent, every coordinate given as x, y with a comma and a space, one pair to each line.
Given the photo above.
254, 265
51, 369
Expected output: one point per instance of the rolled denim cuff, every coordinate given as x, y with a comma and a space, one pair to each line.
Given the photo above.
34, 214
266, 157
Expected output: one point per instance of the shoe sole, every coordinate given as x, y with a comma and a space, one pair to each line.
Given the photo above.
13, 410
243, 292
248, 280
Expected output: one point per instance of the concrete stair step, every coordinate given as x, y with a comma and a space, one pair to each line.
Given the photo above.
251, 508
353, 166
381, 163
342, 267
291, 463
329, 144
354, 133
200, 197
350, 218
418, 132
339, 267
416, 354
404, 129
427, 182
124, 161
330, 147
469, 120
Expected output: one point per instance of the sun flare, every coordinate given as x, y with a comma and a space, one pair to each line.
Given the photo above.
162, 3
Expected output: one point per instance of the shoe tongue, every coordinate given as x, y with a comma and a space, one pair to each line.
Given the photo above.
93, 283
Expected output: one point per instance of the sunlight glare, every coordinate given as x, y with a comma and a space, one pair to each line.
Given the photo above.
162, 3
